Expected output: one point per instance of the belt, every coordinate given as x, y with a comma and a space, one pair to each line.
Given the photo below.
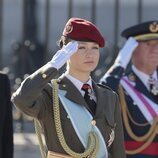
52, 154
152, 149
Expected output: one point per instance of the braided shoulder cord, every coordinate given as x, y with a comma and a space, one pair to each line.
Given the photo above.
38, 133
147, 138
93, 142
134, 122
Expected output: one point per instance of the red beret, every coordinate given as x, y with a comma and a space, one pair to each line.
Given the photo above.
83, 30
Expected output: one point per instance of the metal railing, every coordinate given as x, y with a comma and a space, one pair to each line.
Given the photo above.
31, 54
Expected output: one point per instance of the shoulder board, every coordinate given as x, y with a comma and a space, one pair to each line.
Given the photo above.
103, 86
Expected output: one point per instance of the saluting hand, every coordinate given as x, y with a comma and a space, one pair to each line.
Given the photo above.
126, 52
62, 55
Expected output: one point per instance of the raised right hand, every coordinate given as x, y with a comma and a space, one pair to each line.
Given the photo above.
62, 55
126, 52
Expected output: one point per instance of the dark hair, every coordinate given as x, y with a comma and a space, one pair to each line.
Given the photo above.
63, 41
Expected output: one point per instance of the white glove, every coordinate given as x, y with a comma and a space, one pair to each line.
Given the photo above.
126, 52
61, 56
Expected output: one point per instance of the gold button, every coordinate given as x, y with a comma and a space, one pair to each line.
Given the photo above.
64, 85
93, 122
44, 76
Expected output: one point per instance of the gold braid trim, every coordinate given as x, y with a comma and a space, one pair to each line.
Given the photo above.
39, 136
93, 142
134, 122
147, 138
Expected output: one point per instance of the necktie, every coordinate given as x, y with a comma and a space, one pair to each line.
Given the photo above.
87, 96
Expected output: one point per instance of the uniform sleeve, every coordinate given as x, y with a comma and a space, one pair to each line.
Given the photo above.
118, 148
112, 77
31, 97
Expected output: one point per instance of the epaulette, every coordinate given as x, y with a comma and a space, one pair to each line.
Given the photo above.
104, 86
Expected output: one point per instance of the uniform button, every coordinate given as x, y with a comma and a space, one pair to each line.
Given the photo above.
64, 85
44, 76
93, 122
116, 76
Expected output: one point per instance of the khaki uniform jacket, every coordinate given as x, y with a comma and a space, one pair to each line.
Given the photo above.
34, 97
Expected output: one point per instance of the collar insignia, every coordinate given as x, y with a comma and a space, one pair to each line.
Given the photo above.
131, 77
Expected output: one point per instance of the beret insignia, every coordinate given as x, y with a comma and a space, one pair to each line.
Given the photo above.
69, 28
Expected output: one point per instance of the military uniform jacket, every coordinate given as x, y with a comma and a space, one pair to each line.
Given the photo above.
6, 122
113, 80
34, 98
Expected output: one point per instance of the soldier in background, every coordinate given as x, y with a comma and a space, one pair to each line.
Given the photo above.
137, 87
6, 120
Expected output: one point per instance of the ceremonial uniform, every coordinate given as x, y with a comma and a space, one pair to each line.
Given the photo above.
6, 121
139, 105
34, 97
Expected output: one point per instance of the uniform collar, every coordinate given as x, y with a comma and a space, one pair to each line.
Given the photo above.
77, 83
74, 95
72, 91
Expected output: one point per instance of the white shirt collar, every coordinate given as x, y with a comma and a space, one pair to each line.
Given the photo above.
142, 76
77, 83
